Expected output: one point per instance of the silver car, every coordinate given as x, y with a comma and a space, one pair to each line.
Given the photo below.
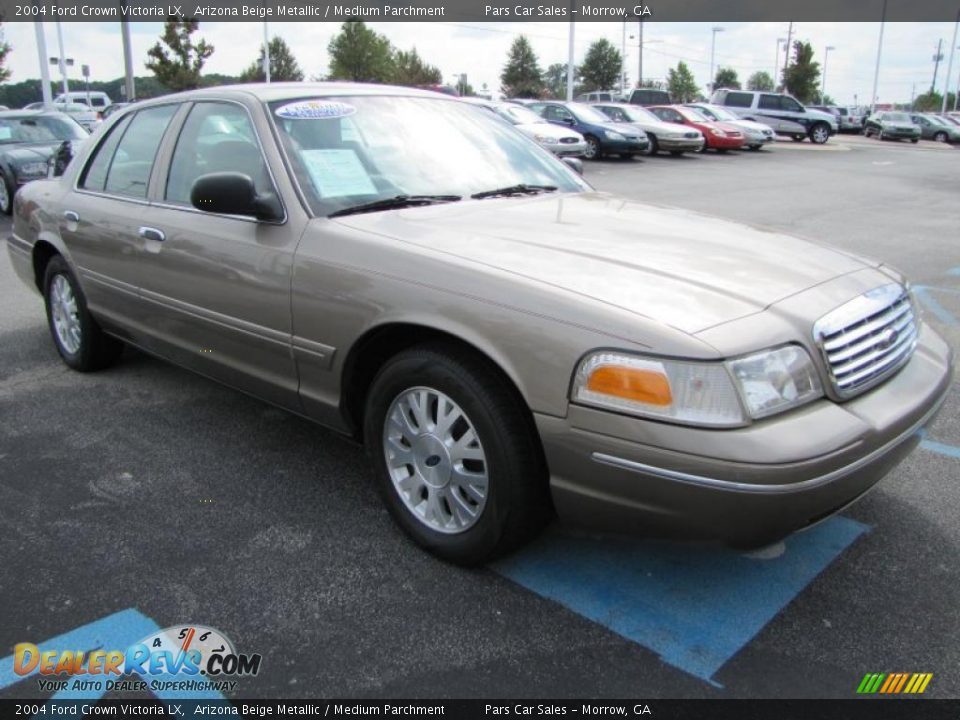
505, 341
757, 134
561, 141
668, 137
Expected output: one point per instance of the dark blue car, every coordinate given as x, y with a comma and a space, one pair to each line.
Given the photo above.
603, 136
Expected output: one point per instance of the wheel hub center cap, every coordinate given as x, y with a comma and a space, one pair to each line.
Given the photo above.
432, 460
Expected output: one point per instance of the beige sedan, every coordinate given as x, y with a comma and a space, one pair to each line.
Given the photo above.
407, 269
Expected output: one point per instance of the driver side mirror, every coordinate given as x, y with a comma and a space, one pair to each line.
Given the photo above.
575, 164
568, 121
233, 193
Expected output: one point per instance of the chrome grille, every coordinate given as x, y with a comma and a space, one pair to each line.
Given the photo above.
569, 140
868, 339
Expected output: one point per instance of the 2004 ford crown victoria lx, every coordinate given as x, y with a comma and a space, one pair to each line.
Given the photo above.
405, 267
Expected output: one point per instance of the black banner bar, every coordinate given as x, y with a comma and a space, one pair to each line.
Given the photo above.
481, 10
873, 708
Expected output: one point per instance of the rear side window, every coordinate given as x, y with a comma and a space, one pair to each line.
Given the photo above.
217, 137
129, 172
95, 176
738, 99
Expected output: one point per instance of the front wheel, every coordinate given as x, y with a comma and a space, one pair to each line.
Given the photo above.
455, 455
819, 134
653, 148
6, 194
914, 140
77, 336
593, 148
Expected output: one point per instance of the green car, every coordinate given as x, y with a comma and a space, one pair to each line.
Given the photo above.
892, 126
934, 127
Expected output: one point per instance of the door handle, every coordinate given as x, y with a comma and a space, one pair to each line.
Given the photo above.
149, 233
71, 216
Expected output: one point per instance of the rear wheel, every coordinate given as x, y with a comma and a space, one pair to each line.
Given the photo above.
77, 336
455, 455
819, 133
6, 194
914, 140
940, 137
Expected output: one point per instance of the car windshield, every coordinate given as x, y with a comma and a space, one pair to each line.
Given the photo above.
718, 112
352, 150
691, 114
639, 114
519, 115
897, 117
586, 113
73, 107
935, 119
39, 129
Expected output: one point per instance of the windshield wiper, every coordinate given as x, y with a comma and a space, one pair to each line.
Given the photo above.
397, 201
521, 189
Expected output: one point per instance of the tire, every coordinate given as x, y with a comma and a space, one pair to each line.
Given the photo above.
798, 138
653, 148
704, 147
723, 151
676, 153
593, 151
940, 137
819, 133
6, 194
438, 513
627, 156
914, 140
76, 335
754, 147
879, 135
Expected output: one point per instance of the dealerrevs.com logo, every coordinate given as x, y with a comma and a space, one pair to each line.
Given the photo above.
180, 658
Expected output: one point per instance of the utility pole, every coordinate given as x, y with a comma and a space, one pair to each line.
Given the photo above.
640, 62
946, 84
876, 70
786, 54
623, 60
776, 63
44, 70
936, 65
570, 59
63, 64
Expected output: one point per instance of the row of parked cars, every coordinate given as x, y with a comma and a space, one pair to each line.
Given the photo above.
897, 125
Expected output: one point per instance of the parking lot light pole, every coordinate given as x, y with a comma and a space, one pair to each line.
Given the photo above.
570, 60
266, 52
776, 62
713, 50
62, 62
823, 80
946, 85
44, 70
876, 70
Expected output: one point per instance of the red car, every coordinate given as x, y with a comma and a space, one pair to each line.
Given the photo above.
720, 136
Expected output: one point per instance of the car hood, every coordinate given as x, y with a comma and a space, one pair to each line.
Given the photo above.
662, 128
750, 126
680, 268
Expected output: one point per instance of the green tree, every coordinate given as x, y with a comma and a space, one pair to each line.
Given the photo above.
410, 69
555, 80
4, 51
521, 76
177, 66
726, 78
681, 85
283, 65
802, 78
601, 67
360, 54
761, 81
932, 101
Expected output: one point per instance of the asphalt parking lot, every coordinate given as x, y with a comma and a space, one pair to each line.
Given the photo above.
146, 488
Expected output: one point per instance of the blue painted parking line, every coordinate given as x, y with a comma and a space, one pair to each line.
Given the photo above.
114, 632
954, 271
694, 606
938, 447
927, 299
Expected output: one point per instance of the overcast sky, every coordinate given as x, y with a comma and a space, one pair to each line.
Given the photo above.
479, 49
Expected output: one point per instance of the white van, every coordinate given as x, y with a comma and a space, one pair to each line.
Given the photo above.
98, 100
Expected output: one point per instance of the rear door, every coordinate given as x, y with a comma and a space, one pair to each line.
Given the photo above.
219, 285
100, 218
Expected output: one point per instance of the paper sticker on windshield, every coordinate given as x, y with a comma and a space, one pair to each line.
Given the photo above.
337, 173
315, 110
6, 132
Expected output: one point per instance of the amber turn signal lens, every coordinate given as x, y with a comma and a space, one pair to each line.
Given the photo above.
643, 386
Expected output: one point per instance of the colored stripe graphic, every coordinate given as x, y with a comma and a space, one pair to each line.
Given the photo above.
894, 683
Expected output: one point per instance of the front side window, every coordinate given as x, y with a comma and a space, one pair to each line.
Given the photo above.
216, 137
770, 102
790, 105
406, 146
123, 167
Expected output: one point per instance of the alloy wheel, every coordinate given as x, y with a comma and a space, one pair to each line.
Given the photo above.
66, 316
435, 460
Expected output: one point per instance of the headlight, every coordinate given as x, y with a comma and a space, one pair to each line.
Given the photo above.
544, 140
718, 133
32, 169
611, 135
712, 394
688, 392
776, 380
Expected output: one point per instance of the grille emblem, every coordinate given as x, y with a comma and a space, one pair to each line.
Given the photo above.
887, 338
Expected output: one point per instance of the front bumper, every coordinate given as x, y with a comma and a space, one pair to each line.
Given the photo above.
748, 486
680, 144
624, 146
575, 149
725, 143
758, 139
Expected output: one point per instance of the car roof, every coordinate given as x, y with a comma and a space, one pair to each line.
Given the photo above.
18, 114
290, 90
